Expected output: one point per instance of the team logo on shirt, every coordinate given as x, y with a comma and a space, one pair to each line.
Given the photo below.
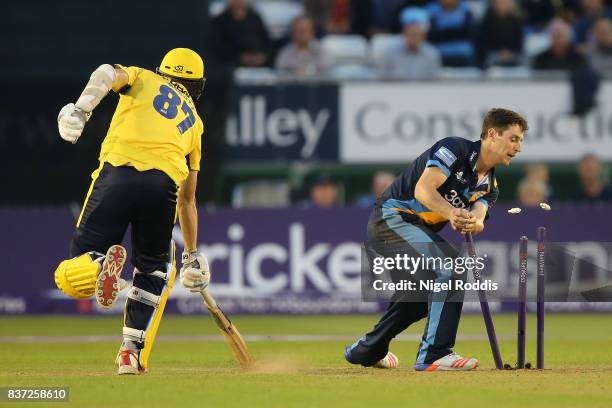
459, 176
446, 156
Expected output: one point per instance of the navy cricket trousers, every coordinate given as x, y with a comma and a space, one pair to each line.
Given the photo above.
442, 315
145, 200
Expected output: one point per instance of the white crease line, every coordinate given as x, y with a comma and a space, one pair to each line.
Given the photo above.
219, 338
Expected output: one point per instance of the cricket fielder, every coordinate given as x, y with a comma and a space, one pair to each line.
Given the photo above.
452, 182
149, 163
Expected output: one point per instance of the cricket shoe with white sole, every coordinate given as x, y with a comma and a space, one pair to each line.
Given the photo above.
128, 363
451, 362
389, 361
108, 282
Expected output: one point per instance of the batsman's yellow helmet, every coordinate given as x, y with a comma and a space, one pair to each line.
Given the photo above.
182, 63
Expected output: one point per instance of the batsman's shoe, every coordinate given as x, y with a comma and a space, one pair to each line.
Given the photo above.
108, 282
128, 363
451, 362
390, 361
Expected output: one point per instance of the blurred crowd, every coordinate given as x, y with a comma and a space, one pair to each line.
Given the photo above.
322, 190
593, 187
414, 39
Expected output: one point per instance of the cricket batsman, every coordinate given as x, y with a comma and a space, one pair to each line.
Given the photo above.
452, 182
149, 163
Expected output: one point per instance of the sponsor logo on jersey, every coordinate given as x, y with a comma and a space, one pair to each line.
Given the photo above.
459, 176
446, 156
454, 199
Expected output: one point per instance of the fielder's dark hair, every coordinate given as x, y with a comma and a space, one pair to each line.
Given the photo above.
501, 119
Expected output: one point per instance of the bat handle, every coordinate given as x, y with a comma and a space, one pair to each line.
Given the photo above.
210, 301
471, 248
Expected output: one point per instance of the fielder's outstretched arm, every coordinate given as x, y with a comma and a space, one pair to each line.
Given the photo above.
72, 117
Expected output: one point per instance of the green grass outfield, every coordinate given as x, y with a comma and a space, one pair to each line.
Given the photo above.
191, 367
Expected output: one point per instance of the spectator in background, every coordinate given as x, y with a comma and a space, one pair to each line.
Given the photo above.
236, 37
500, 35
537, 14
592, 187
361, 16
418, 59
366, 17
531, 192
303, 57
600, 55
385, 15
592, 10
239, 36
380, 182
323, 193
561, 55
396, 25
451, 32
539, 173
339, 17
569, 10
318, 11
329, 16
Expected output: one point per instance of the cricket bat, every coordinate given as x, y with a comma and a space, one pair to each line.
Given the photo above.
229, 331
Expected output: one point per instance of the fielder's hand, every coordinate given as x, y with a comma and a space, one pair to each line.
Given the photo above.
195, 273
475, 226
71, 121
460, 218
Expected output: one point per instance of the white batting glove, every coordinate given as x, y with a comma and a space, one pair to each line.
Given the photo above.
71, 121
195, 272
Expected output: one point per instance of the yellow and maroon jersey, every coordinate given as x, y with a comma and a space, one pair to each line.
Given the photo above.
155, 126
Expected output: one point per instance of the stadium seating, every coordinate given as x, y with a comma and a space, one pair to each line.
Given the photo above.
353, 71
536, 43
345, 49
382, 46
278, 15
255, 75
508, 73
216, 7
477, 7
460, 73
